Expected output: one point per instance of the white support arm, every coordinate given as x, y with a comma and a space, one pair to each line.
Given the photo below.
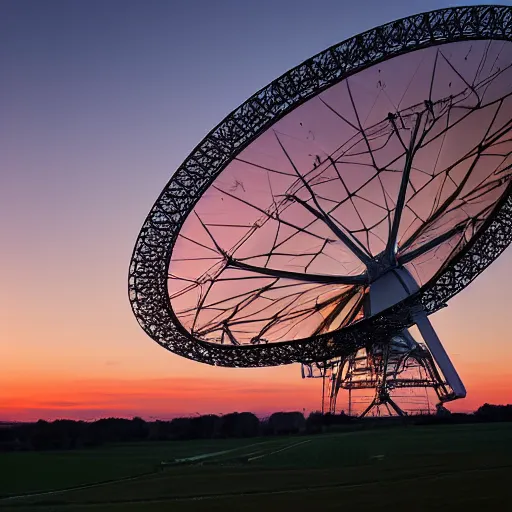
439, 353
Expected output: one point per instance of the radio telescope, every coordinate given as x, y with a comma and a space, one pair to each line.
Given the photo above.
338, 208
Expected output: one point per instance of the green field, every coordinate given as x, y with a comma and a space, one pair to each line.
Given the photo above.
466, 467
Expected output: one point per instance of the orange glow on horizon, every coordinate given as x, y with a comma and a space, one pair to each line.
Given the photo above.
151, 398
166, 398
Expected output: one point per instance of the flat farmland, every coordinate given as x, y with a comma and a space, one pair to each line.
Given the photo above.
457, 467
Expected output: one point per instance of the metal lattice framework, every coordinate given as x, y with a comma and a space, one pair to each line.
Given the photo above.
148, 279
384, 368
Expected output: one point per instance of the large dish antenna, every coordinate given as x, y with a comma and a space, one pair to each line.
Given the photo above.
341, 204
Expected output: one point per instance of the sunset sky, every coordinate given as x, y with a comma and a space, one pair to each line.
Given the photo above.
100, 101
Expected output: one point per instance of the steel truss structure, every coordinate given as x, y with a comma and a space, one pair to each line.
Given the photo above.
149, 272
384, 368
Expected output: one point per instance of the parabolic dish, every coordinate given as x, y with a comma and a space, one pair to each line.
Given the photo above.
390, 150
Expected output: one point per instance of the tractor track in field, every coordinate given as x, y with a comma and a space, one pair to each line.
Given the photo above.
217, 496
195, 459
79, 487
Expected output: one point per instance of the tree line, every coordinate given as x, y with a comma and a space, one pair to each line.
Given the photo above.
69, 434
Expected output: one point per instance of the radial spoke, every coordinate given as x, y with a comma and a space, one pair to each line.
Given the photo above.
310, 278
364, 257
411, 255
392, 240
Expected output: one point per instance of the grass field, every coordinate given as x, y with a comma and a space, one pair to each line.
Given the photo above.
467, 467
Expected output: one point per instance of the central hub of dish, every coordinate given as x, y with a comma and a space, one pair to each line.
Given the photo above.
391, 287
380, 265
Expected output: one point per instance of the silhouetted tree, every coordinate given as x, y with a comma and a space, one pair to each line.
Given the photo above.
205, 427
315, 423
287, 423
181, 428
244, 424
159, 430
67, 434
488, 412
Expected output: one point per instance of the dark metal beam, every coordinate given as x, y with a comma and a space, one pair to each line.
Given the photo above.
360, 279
404, 185
363, 257
409, 256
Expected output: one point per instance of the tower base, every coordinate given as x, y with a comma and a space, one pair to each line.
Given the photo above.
383, 379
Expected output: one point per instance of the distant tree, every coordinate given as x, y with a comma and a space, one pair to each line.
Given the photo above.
442, 411
287, 423
118, 430
181, 428
318, 422
315, 423
67, 434
139, 429
159, 430
489, 412
205, 427
41, 437
235, 424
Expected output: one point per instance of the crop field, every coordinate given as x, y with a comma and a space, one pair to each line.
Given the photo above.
456, 467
